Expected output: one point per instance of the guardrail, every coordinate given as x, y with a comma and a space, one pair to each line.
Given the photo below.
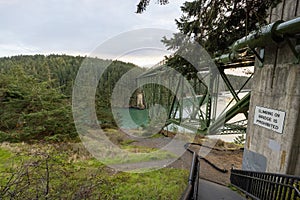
260, 185
191, 191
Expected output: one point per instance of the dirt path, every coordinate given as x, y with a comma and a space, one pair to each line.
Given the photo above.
222, 158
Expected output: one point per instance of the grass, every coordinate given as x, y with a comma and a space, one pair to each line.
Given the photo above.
152, 185
138, 157
124, 151
5, 155
75, 174
135, 154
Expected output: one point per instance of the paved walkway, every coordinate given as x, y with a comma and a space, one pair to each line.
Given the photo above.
212, 191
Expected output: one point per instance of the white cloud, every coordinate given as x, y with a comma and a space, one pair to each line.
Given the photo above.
144, 57
68, 26
16, 49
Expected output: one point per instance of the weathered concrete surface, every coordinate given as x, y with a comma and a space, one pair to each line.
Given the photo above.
277, 86
278, 89
254, 161
287, 9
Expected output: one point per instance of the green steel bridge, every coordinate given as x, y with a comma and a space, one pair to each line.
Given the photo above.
195, 104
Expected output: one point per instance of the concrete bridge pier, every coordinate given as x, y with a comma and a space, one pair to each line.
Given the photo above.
273, 135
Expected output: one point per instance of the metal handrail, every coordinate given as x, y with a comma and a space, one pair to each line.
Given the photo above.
191, 191
297, 190
261, 185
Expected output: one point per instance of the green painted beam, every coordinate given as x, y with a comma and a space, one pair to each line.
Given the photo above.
272, 33
240, 107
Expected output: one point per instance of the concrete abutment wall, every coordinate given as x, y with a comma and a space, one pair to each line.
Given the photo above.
276, 86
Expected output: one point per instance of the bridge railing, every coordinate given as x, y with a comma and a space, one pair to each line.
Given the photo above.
191, 191
260, 185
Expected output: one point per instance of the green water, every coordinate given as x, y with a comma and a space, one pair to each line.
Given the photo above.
131, 118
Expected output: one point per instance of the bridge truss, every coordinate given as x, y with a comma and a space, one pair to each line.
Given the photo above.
196, 106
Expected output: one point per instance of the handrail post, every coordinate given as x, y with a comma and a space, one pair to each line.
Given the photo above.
249, 183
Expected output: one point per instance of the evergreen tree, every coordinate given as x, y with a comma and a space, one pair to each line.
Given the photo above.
33, 109
215, 25
35, 95
144, 3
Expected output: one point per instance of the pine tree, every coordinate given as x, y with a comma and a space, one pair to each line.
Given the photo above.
215, 25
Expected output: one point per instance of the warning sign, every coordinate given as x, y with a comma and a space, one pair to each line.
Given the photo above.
269, 118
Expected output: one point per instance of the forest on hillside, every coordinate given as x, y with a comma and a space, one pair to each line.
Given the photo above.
35, 96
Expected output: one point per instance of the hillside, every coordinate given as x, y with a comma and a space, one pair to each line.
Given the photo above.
35, 95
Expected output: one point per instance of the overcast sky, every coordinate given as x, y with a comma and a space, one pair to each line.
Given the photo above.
75, 27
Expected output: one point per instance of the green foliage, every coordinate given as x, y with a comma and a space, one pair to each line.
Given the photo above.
215, 25
5, 156
160, 184
107, 84
60, 70
33, 108
35, 96
54, 175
